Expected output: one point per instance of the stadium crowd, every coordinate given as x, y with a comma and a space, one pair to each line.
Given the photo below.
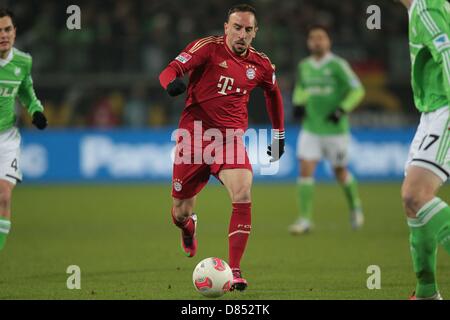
105, 75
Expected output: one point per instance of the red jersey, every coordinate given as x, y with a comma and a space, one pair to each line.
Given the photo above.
220, 83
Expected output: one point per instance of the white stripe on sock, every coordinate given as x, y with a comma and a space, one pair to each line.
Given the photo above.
305, 180
419, 222
4, 231
5, 224
433, 202
238, 231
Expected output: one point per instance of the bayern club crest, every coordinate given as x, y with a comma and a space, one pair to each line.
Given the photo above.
251, 72
177, 185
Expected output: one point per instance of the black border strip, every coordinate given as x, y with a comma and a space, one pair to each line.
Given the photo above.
17, 179
434, 164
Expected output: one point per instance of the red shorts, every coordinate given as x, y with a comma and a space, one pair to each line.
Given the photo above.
196, 160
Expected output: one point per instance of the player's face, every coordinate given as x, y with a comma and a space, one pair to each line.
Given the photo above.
318, 42
7, 34
240, 31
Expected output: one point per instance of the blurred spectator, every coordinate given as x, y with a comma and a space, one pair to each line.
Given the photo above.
104, 113
136, 109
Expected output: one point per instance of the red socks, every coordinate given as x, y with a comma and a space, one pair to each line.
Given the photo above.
238, 232
187, 226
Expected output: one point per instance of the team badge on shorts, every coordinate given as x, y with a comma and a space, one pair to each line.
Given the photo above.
177, 185
251, 72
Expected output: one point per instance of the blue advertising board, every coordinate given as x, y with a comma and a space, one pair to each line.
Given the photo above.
146, 155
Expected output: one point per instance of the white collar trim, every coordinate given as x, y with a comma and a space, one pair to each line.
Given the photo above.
325, 59
4, 62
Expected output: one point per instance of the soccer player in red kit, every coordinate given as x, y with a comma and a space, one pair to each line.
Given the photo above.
222, 70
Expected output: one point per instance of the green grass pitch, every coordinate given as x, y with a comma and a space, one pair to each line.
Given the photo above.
122, 238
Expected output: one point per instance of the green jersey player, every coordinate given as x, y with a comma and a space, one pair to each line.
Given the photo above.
15, 81
428, 165
325, 92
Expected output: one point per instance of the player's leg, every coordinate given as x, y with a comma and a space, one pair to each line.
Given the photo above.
337, 152
305, 194
6, 188
309, 154
306, 188
350, 188
188, 181
429, 224
428, 216
10, 174
184, 218
238, 183
182, 209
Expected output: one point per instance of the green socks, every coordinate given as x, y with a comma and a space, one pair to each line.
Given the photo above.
305, 188
432, 226
351, 192
5, 226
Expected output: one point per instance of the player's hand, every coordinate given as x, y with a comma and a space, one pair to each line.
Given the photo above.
176, 87
39, 120
299, 112
276, 149
336, 115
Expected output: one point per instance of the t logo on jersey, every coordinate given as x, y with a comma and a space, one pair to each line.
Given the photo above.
225, 85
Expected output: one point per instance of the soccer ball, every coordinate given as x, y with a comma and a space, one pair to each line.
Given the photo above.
212, 277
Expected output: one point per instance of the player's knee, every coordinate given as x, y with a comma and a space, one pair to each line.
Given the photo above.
306, 170
242, 194
410, 201
341, 174
414, 198
182, 210
181, 213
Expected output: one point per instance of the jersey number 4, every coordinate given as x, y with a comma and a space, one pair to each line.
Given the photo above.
14, 164
433, 139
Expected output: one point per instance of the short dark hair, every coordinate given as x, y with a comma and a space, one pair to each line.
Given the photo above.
242, 8
4, 12
318, 27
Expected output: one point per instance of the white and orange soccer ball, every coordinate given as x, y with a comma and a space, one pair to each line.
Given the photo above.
212, 277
